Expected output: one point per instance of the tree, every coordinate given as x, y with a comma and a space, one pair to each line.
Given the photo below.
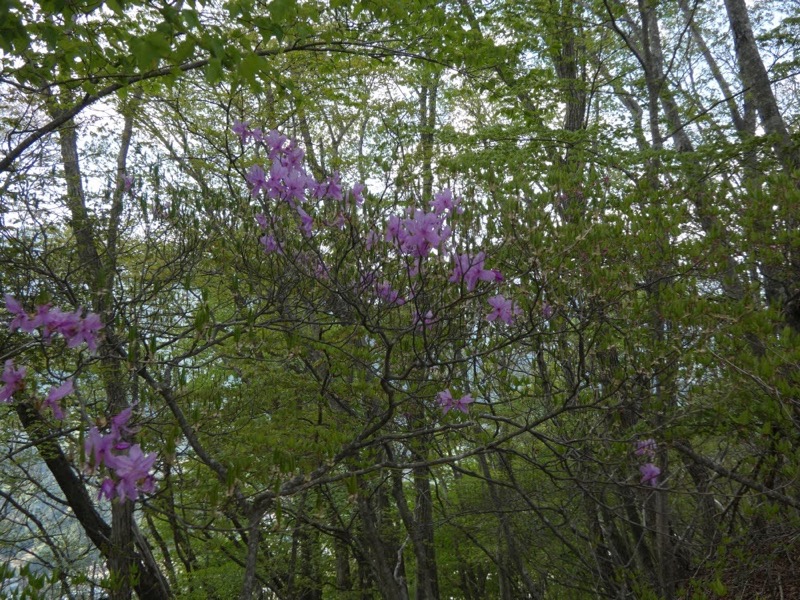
613, 310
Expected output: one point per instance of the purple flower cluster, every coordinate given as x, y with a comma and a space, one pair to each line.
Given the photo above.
288, 181
646, 448
75, 328
419, 233
502, 309
55, 396
444, 201
649, 471
388, 295
650, 474
470, 270
12, 379
447, 402
425, 321
129, 467
416, 234
243, 131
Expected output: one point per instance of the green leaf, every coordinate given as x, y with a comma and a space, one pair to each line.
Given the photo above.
214, 71
282, 10
250, 66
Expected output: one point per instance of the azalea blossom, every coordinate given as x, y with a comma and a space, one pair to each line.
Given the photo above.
447, 402
331, 188
55, 395
241, 129
98, 448
646, 448
372, 239
292, 156
12, 377
650, 473
133, 472
269, 243
417, 234
385, 292
106, 489
85, 331
393, 229
21, 319
306, 222
444, 201
257, 179
275, 142
424, 321
470, 270
128, 465
256, 135
463, 403
502, 309
358, 193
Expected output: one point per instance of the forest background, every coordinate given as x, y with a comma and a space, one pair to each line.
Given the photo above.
629, 337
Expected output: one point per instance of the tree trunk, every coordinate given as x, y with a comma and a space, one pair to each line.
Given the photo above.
419, 526
427, 122
98, 275
756, 79
253, 543
385, 557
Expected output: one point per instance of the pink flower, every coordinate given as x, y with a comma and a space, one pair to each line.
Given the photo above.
646, 448
106, 489
471, 270
294, 186
306, 222
424, 231
332, 188
372, 239
444, 201
418, 234
447, 402
129, 466
21, 319
257, 179
424, 322
119, 423
86, 330
269, 243
133, 472
57, 394
256, 135
240, 128
357, 193
275, 142
650, 474
463, 403
12, 377
502, 309
98, 448
385, 292
393, 229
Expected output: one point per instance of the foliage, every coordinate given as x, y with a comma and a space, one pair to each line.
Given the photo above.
583, 217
